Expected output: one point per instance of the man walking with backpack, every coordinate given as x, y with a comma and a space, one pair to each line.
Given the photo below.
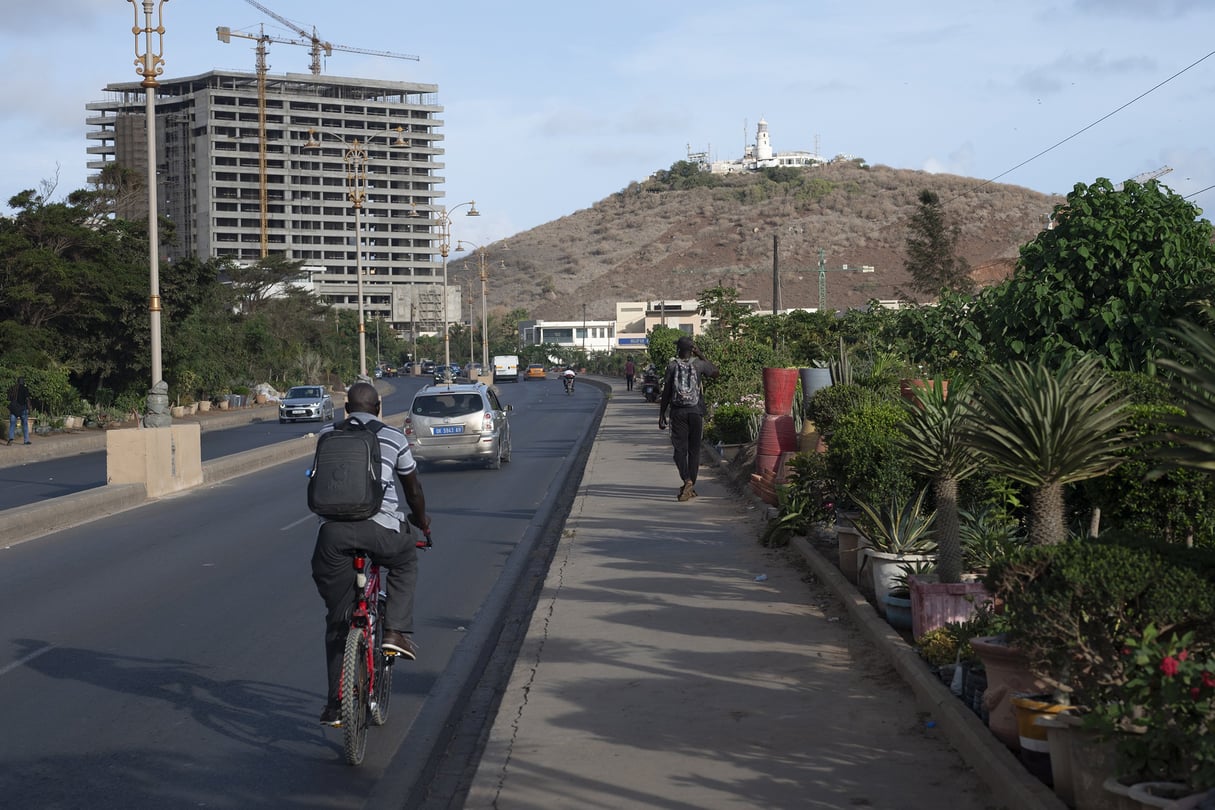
351, 487
681, 395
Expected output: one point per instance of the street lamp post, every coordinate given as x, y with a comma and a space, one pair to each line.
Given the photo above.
355, 155
444, 249
484, 310
149, 65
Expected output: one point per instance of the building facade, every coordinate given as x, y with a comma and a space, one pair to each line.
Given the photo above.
246, 169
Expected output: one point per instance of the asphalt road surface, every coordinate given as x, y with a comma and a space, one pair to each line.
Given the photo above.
171, 656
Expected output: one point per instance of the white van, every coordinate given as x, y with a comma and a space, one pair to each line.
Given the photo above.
506, 367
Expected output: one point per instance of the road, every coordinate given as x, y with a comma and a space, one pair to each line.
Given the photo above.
171, 656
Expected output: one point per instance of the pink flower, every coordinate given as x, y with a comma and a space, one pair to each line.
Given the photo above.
1208, 679
1195, 692
1183, 655
1169, 666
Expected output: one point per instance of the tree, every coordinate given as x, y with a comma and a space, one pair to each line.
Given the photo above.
721, 303
932, 250
1116, 270
1048, 427
934, 446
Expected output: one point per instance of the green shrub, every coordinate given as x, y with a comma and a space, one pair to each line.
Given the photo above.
828, 404
1071, 606
733, 424
864, 456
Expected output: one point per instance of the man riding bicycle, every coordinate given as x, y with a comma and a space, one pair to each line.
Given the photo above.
382, 538
567, 377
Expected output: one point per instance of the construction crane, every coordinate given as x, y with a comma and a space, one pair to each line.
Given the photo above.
225, 34
1146, 176
316, 44
823, 269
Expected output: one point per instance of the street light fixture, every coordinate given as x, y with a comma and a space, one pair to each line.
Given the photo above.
149, 65
484, 311
355, 155
444, 249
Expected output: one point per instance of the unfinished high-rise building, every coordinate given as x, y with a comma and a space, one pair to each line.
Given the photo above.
246, 169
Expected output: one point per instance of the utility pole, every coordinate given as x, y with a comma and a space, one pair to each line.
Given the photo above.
775, 289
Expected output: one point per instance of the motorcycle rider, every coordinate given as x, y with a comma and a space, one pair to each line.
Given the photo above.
567, 377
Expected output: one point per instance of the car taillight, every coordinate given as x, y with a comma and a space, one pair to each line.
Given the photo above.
408, 426
488, 419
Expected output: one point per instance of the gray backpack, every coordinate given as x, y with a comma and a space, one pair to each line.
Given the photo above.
687, 383
344, 483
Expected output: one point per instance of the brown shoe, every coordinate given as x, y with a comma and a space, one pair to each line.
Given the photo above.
685, 492
396, 643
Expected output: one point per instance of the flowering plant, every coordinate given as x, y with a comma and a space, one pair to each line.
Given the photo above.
1165, 711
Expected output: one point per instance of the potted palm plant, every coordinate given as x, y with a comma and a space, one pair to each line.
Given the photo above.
933, 444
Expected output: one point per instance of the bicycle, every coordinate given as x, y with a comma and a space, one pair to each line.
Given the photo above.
365, 689
569, 385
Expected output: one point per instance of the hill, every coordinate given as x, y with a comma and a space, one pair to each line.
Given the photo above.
652, 241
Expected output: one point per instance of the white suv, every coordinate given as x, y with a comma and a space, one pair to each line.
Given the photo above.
459, 422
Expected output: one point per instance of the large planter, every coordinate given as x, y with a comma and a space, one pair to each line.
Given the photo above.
1008, 674
780, 384
813, 380
936, 604
885, 568
851, 541
898, 610
1147, 795
1035, 747
1080, 761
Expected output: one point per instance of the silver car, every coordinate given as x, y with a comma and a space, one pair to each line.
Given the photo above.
309, 402
459, 422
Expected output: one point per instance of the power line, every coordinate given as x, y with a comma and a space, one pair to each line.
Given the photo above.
1095, 123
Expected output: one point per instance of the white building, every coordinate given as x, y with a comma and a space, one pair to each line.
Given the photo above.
757, 156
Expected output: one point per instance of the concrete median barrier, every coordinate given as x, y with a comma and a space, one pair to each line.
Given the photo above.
27, 522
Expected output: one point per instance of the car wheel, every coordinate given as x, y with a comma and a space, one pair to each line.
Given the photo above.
506, 456
282, 421
495, 462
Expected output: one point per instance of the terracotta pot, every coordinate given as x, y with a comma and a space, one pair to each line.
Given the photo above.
1008, 674
776, 435
907, 388
780, 384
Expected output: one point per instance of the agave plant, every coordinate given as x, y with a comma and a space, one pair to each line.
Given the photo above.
898, 528
934, 446
1047, 428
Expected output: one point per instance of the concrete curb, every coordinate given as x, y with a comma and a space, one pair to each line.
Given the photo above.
991, 760
38, 519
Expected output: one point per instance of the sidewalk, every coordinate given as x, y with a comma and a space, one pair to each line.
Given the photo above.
673, 662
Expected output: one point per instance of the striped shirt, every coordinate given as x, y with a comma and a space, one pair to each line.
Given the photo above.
395, 459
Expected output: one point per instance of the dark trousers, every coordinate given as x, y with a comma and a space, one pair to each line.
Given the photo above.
628, 381
333, 573
687, 431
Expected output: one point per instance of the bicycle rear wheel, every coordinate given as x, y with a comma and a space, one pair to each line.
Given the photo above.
355, 682
382, 692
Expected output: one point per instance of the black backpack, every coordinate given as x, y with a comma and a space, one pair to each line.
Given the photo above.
344, 482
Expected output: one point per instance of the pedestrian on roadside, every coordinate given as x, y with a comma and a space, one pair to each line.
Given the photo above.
681, 395
629, 371
19, 407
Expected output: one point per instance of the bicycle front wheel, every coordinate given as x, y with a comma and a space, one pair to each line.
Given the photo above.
355, 680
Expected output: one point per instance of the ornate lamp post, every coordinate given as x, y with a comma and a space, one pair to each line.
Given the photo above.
444, 249
149, 65
481, 261
355, 155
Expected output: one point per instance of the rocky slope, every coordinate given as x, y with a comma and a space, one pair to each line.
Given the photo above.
648, 242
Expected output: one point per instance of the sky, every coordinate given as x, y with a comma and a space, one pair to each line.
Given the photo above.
550, 107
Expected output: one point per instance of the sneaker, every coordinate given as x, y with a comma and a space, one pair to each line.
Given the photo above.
331, 715
396, 643
685, 492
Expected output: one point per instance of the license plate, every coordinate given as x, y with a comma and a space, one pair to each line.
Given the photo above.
299, 412
447, 430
